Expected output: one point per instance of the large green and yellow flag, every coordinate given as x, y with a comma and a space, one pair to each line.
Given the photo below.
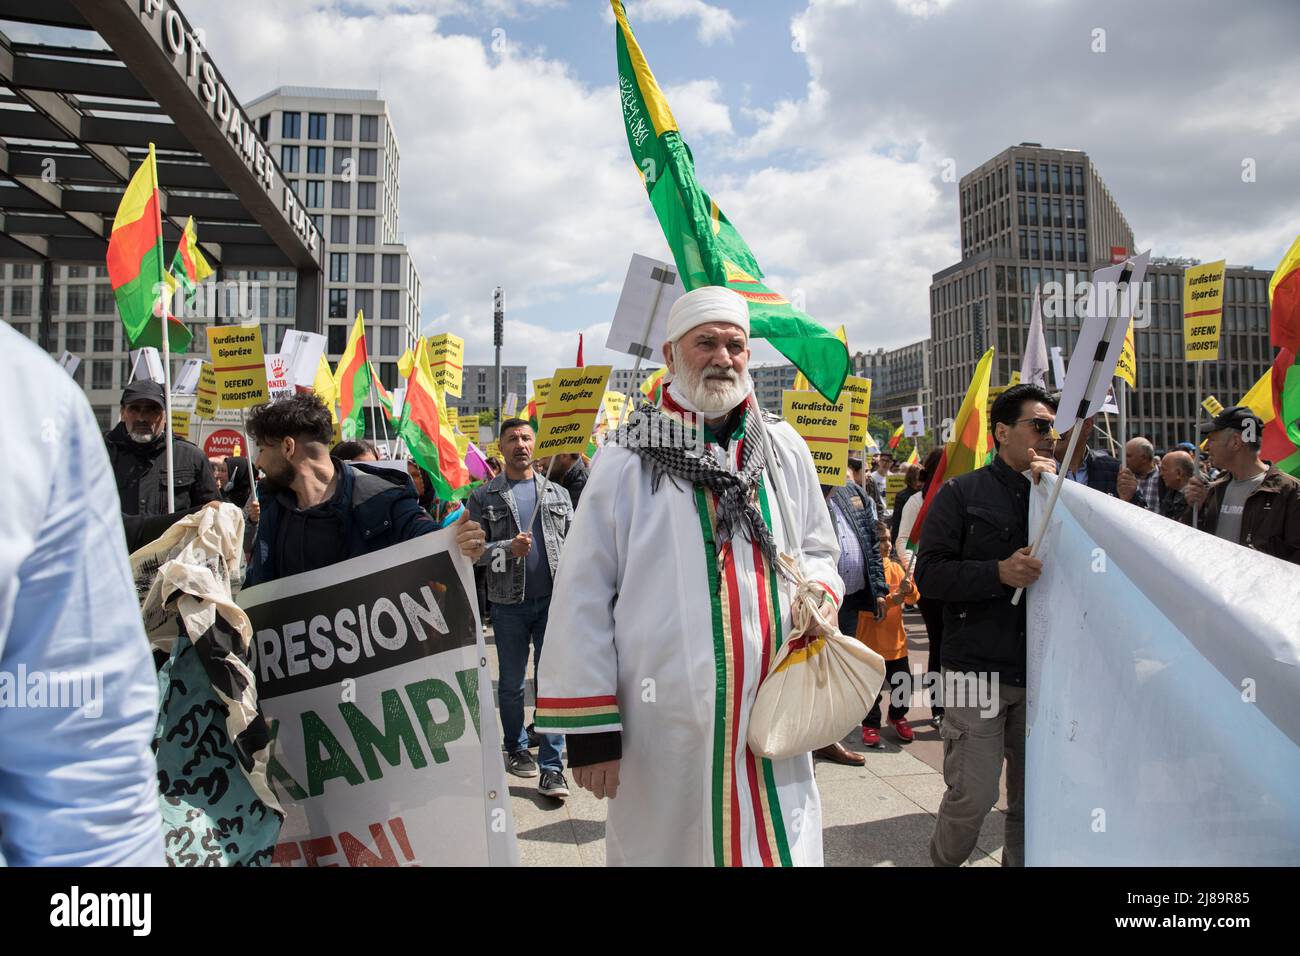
706, 246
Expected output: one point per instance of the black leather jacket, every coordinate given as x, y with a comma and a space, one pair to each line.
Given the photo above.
977, 520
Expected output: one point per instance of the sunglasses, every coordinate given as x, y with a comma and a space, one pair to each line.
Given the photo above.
1041, 425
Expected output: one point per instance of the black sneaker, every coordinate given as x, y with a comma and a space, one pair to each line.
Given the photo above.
553, 785
522, 764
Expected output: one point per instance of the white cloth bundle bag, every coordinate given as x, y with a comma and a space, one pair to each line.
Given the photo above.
822, 683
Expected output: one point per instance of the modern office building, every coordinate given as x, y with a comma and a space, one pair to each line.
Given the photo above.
476, 388
1030, 216
769, 382
339, 150
80, 115
899, 377
622, 379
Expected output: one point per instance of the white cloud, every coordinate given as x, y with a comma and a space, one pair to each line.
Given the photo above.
713, 22
699, 108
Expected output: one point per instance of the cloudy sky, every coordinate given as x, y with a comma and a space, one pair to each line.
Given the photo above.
821, 127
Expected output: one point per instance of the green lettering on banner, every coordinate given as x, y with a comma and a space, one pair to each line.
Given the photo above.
437, 734
468, 680
276, 774
397, 731
336, 763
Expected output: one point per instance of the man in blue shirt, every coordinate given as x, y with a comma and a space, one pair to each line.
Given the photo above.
78, 781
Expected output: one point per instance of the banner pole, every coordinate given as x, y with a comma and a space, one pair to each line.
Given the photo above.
166, 338
1121, 398
1110, 436
645, 334
1196, 455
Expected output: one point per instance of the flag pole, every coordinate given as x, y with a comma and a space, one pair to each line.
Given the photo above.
1196, 456
166, 336
645, 334
1121, 399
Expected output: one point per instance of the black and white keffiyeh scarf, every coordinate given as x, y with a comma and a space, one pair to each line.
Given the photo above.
672, 443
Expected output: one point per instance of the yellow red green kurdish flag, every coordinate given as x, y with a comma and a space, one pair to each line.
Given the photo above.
707, 248
1202, 311
896, 437
135, 263
352, 382
859, 409
653, 386
385, 397
239, 365
1281, 443
189, 268
427, 434
571, 408
968, 447
825, 427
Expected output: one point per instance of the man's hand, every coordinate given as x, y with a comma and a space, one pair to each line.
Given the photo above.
522, 544
600, 778
1126, 484
1194, 491
1040, 465
253, 509
470, 537
882, 605
1019, 570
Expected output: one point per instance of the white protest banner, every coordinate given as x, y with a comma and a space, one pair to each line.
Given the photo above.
373, 676
146, 364
913, 421
186, 381
640, 322
1058, 366
301, 352
511, 406
69, 362
1211, 778
277, 377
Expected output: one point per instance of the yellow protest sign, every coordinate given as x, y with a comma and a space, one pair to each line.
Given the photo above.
180, 424
446, 362
493, 449
825, 427
541, 391
239, 365
1212, 405
615, 406
1127, 367
453, 416
571, 407
859, 390
1202, 311
205, 404
893, 485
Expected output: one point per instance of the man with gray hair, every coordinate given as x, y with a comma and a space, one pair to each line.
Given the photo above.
1176, 470
668, 611
1141, 459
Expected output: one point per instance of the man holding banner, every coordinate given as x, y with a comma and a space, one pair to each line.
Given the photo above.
974, 554
668, 610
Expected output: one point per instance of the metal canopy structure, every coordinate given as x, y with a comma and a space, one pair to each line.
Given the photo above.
76, 120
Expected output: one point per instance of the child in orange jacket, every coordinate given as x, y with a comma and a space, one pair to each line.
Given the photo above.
888, 638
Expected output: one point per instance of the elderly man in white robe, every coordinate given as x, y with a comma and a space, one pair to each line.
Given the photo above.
667, 612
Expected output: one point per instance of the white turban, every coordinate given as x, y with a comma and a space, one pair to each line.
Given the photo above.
709, 303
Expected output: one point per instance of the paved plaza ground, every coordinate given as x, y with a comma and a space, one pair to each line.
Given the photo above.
881, 814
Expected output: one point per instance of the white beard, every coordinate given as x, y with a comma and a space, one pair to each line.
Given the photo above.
716, 394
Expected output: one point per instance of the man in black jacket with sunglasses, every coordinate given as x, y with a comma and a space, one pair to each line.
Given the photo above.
974, 554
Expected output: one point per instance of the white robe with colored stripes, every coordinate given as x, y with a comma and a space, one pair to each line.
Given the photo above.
646, 637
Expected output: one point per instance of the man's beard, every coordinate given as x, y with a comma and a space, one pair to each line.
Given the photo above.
277, 479
714, 391
142, 435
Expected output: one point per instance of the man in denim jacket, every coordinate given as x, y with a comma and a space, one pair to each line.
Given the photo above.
521, 569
